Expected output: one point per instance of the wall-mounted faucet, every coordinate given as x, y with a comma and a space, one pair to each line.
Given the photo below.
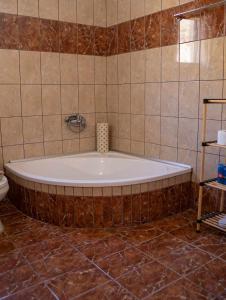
75, 122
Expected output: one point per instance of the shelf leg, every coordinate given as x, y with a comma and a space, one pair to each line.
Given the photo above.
199, 209
222, 202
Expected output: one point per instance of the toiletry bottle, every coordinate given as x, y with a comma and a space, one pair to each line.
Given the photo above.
220, 176
224, 175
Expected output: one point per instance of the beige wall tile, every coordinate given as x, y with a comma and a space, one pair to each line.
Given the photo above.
71, 146
90, 130
188, 157
125, 98
188, 133
51, 104
8, 6
50, 67
124, 9
211, 63
9, 65
152, 6
69, 99
85, 12
137, 147
100, 98
169, 129
86, 69
170, 63
152, 129
12, 153
152, 150
137, 127
124, 126
153, 65
168, 153
137, 8
189, 61
31, 100
34, 150
211, 89
86, 99
137, 98
138, 67
28, 8
169, 99
32, 129
124, 145
169, 3
87, 144
113, 124
10, 104
49, 9
112, 70
189, 99
68, 68
52, 128
30, 64
112, 12
100, 13
124, 69
100, 70
67, 11
53, 148
112, 98
152, 98
12, 133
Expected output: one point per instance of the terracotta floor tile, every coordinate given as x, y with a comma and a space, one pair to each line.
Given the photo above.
185, 259
182, 289
161, 245
74, 283
10, 261
103, 248
211, 277
108, 291
17, 279
44, 249
189, 234
6, 245
38, 292
6, 208
122, 262
214, 242
172, 223
147, 279
83, 237
58, 263
139, 235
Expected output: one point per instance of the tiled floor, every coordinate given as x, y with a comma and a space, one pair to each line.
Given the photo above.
165, 260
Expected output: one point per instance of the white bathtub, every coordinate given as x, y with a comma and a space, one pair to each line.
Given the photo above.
95, 170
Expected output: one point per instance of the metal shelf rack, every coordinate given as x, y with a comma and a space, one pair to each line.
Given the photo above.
212, 218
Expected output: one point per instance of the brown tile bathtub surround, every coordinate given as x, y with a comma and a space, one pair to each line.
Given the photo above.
102, 207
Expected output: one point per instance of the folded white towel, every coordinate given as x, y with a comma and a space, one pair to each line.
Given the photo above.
222, 222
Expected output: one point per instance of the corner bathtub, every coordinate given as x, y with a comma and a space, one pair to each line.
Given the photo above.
99, 190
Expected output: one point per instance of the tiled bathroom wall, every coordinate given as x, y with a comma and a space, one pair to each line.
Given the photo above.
52, 65
158, 73
125, 61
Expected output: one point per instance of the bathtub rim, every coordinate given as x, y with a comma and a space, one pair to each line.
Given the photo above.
185, 169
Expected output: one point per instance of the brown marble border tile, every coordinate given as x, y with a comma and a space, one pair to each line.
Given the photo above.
155, 30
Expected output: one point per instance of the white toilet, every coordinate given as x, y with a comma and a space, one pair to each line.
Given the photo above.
4, 187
